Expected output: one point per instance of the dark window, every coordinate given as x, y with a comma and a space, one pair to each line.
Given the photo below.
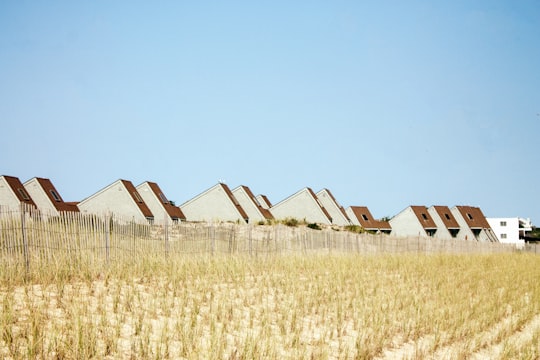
447, 216
55, 195
503, 236
24, 194
364, 217
137, 197
424, 216
163, 198
469, 216
503, 223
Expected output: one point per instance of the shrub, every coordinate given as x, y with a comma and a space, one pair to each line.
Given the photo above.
314, 226
291, 222
355, 229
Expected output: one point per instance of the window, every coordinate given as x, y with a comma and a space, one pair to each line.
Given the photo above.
24, 194
163, 198
469, 216
364, 217
447, 216
424, 216
55, 195
503, 236
137, 197
503, 223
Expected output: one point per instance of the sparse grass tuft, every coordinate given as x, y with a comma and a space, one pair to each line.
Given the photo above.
316, 306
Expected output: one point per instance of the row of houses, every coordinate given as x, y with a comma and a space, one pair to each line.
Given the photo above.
219, 203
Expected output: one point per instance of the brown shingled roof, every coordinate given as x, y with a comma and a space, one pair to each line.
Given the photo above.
265, 199
367, 221
320, 205
137, 198
265, 212
174, 211
423, 216
18, 189
54, 196
474, 217
339, 206
235, 202
446, 216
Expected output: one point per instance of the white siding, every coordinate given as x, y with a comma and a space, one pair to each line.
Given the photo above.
251, 208
262, 202
113, 199
212, 205
8, 200
42, 201
301, 206
406, 224
352, 216
332, 208
442, 231
154, 204
506, 230
466, 233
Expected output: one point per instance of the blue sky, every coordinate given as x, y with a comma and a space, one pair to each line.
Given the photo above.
386, 103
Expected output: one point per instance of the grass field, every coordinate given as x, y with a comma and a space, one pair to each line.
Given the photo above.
236, 307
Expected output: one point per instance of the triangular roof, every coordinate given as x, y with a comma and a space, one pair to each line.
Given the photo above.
173, 211
424, 217
334, 209
292, 205
446, 216
17, 190
132, 193
473, 216
263, 212
51, 194
236, 203
137, 198
263, 201
366, 220
210, 212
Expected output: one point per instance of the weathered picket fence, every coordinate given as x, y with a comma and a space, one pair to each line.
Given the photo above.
28, 236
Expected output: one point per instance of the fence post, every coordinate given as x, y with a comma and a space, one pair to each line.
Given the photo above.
166, 234
108, 229
275, 240
250, 240
213, 230
25, 239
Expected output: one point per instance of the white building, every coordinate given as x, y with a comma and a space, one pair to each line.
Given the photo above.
413, 221
360, 215
447, 225
472, 224
510, 230
254, 210
159, 205
263, 201
47, 198
302, 205
120, 198
13, 194
215, 204
336, 211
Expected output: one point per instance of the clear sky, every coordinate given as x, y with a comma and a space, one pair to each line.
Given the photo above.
386, 103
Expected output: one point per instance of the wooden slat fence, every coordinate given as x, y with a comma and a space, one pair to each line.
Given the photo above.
28, 236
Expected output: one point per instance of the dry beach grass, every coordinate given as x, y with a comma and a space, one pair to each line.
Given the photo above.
311, 306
